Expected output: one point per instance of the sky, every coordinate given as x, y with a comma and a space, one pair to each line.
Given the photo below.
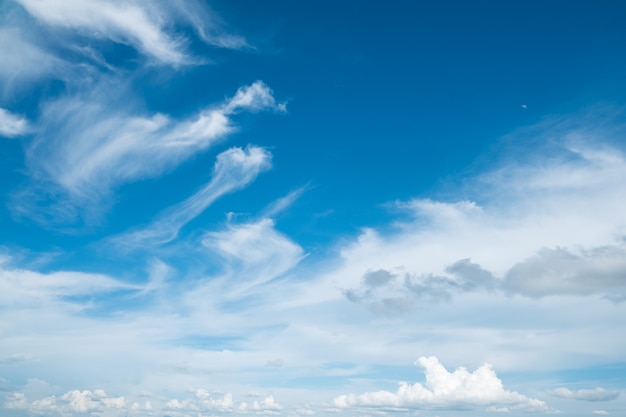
312, 208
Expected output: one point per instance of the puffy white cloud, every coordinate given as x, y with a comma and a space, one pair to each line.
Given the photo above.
596, 394
71, 402
12, 125
205, 401
444, 389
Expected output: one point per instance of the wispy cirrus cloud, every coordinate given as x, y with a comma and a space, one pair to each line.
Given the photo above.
147, 26
233, 170
84, 149
23, 61
256, 250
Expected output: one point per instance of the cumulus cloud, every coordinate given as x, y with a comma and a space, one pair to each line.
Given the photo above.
596, 394
12, 125
447, 390
233, 170
206, 401
71, 402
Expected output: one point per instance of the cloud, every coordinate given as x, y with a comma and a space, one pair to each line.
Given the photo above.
71, 402
233, 170
596, 394
19, 286
203, 400
147, 26
446, 390
86, 149
550, 223
388, 293
256, 250
12, 125
23, 61
283, 203
277, 363
560, 271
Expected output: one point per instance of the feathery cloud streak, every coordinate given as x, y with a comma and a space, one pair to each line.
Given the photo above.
234, 169
87, 150
142, 24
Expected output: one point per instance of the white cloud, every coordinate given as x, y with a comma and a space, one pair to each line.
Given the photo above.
233, 170
22, 60
71, 402
444, 389
16, 400
205, 401
12, 125
596, 394
145, 25
120, 22
600, 412
538, 226
22, 286
92, 149
256, 250
283, 203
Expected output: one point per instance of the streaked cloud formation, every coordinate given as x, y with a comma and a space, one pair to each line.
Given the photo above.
142, 24
87, 154
596, 394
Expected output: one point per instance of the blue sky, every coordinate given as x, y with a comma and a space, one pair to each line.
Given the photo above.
312, 208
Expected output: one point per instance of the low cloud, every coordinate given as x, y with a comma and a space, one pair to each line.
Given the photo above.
71, 402
596, 394
446, 390
561, 271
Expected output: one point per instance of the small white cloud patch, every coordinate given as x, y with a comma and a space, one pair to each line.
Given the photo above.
12, 125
